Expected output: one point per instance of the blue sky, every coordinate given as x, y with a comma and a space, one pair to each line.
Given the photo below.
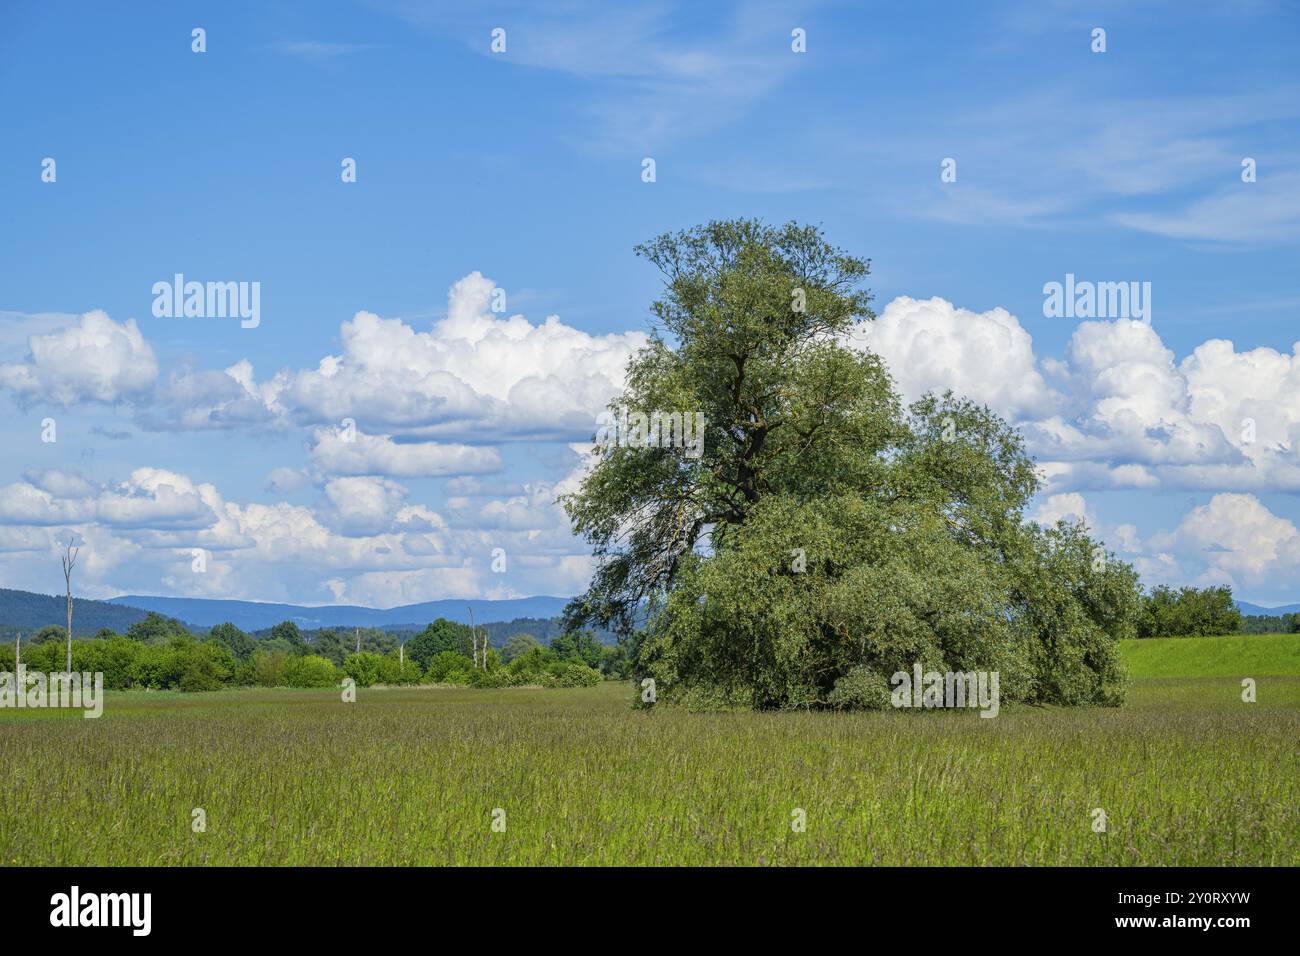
522, 171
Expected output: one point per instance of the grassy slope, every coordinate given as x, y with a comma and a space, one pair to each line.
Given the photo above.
1237, 655
1186, 772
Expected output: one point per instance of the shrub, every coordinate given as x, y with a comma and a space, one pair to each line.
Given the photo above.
573, 674
394, 671
310, 671
368, 668
245, 673
157, 666
487, 679
364, 668
449, 667
115, 657
178, 661
860, 689
45, 657
268, 668
538, 665
200, 674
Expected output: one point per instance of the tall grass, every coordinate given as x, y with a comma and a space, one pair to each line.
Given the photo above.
1186, 773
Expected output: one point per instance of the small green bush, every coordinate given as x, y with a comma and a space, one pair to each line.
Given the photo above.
860, 689
200, 674
497, 678
310, 671
573, 674
449, 667
407, 672
268, 668
365, 668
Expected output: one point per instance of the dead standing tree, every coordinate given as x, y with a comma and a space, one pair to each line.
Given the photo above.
69, 561
473, 636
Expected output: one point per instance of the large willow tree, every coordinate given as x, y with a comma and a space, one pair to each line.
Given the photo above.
826, 536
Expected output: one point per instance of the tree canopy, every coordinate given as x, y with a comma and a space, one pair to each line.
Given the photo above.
156, 628
518, 644
1189, 612
234, 640
439, 637
825, 532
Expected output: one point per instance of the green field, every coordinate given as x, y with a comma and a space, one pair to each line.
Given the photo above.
1186, 773
1237, 655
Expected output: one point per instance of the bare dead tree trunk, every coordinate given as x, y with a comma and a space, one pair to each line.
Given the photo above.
473, 637
18, 653
358, 640
69, 560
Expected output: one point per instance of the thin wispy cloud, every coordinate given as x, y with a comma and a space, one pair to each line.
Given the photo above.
647, 78
318, 49
1264, 211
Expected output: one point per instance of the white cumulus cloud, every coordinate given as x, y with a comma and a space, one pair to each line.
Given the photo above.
95, 360
474, 374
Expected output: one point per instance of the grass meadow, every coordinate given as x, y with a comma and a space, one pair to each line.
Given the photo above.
1186, 773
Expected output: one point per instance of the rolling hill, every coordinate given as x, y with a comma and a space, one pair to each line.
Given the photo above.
29, 612
1245, 607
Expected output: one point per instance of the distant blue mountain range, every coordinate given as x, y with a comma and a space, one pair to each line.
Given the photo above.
30, 611
1245, 607
26, 612
255, 615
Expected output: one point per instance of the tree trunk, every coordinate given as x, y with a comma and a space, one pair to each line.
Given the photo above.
69, 562
473, 638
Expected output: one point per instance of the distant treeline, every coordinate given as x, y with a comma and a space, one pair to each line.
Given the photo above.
1166, 612
545, 629
27, 613
1205, 612
1270, 624
161, 653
